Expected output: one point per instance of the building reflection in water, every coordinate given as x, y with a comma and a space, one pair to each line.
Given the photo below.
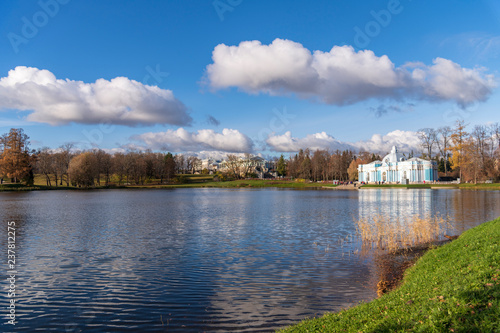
465, 209
395, 203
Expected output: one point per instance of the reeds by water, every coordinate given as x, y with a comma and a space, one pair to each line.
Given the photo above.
395, 233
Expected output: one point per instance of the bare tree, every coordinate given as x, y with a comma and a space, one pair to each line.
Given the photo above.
427, 138
443, 142
233, 165
245, 164
119, 166
495, 136
67, 154
459, 137
44, 164
193, 163
319, 165
481, 140
180, 163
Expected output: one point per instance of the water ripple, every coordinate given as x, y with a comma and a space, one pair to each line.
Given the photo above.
192, 260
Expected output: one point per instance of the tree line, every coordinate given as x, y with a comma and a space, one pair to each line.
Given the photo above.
96, 167
471, 156
323, 165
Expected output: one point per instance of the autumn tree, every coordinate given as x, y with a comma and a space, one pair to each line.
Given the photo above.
17, 161
293, 165
82, 169
365, 157
319, 165
305, 168
352, 171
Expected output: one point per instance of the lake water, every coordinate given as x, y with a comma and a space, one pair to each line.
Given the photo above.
193, 260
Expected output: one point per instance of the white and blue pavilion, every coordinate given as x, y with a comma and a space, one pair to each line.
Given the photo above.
394, 168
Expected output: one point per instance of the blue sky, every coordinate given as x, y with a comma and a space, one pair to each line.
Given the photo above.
276, 94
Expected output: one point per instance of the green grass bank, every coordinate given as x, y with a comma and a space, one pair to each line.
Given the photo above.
453, 288
189, 181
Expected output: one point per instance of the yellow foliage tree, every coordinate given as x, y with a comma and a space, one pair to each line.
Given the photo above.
82, 169
352, 171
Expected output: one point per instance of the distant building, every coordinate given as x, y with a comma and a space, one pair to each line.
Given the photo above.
395, 168
210, 164
244, 166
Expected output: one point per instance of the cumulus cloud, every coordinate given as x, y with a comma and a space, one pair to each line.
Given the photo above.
180, 140
287, 143
342, 75
404, 140
119, 101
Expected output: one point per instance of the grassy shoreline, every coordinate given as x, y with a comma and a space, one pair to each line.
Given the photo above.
251, 183
453, 288
208, 184
202, 181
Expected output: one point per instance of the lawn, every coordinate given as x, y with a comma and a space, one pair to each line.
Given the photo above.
188, 181
453, 288
247, 183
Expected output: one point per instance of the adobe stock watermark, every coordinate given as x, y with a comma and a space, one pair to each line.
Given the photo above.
31, 26
381, 19
95, 136
454, 113
223, 6
156, 74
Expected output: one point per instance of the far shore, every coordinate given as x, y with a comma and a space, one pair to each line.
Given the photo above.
207, 182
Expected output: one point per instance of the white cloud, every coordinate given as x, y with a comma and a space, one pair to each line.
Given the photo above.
287, 143
341, 76
113, 151
119, 101
180, 140
404, 140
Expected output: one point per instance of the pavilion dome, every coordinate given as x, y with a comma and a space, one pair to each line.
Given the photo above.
394, 156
